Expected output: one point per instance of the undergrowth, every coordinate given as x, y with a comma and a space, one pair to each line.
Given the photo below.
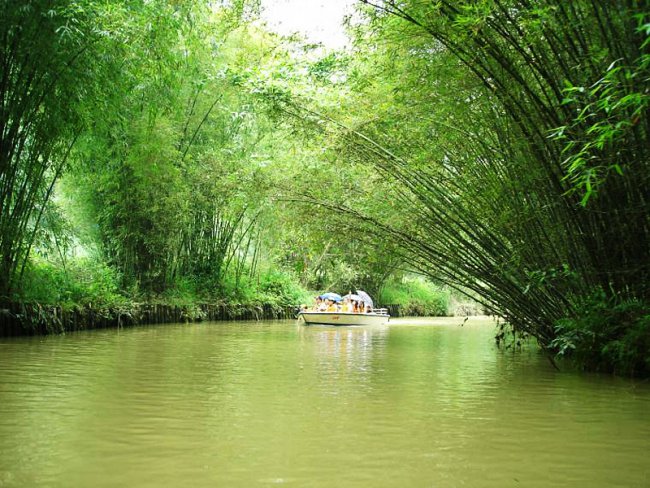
607, 335
416, 297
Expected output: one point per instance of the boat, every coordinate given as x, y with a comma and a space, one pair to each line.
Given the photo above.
376, 317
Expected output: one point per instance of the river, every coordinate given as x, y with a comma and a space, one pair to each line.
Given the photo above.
420, 402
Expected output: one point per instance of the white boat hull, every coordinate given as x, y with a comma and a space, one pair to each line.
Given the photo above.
344, 318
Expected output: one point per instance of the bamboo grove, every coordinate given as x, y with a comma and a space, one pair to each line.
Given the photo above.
130, 107
546, 206
38, 124
498, 147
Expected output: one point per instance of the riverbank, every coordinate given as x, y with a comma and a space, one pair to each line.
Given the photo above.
18, 319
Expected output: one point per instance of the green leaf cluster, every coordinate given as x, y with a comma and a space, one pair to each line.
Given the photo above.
607, 336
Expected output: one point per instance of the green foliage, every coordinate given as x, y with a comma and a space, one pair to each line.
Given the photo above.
416, 297
83, 281
48, 52
166, 172
86, 281
281, 288
607, 335
608, 112
185, 292
273, 287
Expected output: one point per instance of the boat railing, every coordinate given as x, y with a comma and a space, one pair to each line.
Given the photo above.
380, 311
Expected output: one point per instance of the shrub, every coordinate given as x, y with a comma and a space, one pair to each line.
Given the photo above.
281, 288
415, 296
607, 335
274, 287
82, 281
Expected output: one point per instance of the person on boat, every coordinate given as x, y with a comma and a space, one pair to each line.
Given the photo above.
318, 305
331, 306
366, 308
348, 306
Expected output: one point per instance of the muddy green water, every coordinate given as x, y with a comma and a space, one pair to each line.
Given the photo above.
417, 403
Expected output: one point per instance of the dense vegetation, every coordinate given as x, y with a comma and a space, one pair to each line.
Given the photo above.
178, 151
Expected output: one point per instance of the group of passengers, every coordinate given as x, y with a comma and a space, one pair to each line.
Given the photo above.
348, 306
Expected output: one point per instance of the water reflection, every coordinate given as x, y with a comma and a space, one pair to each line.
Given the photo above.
351, 347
